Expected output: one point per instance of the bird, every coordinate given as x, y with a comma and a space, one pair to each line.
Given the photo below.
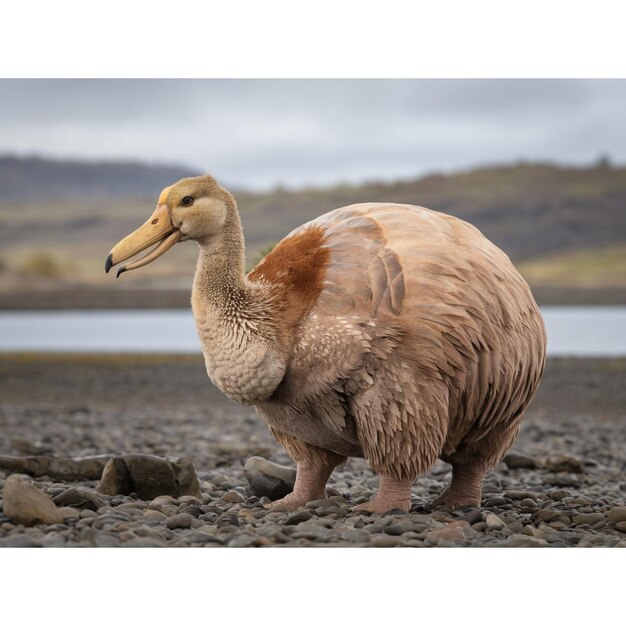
389, 332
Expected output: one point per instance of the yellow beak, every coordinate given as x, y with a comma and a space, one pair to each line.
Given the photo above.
158, 228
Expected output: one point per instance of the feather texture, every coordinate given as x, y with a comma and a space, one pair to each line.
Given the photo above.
421, 340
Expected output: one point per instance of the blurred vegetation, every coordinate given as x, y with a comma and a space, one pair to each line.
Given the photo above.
603, 267
43, 264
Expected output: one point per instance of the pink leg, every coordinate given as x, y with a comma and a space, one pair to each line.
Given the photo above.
465, 488
310, 485
313, 469
393, 493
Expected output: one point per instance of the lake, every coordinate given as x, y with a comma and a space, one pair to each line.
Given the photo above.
572, 331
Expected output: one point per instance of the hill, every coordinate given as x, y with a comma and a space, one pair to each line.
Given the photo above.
564, 227
36, 179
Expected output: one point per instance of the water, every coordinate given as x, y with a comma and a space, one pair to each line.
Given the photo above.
572, 331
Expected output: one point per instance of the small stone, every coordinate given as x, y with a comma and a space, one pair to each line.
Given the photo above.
190, 500
267, 479
298, 517
547, 515
618, 514
559, 494
232, 496
474, 516
193, 510
520, 495
161, 500
153, 516
145, 542
228, 519
322, 504
621, 526
69, 512
524, 541
446, 536
563, 463
26, 504
493, 522
19, 541
32, 448
588, 518
182, 520
244, 540
516, 460
394, 529
385, 541
528, 503
497, 501
80, 498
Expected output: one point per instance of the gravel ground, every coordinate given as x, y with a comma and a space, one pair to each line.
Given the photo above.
574, 435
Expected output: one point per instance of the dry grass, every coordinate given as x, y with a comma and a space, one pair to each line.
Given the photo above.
603, 267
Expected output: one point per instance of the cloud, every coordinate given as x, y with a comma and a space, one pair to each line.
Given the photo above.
263, 132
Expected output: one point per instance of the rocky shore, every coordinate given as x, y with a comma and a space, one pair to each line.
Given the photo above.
563, 484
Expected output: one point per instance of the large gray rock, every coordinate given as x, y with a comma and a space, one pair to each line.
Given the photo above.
269, 479
26, 504
149, 476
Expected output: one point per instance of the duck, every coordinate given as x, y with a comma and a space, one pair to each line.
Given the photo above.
383, 331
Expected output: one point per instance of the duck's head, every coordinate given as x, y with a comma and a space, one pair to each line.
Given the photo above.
193, 208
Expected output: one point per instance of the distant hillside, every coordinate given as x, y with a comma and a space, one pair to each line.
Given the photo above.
562, 226
527, 209
27, 179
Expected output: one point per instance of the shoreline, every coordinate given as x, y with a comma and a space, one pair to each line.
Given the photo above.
89, 404
85, 298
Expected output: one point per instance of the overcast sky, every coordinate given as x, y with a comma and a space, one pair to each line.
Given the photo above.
258, 133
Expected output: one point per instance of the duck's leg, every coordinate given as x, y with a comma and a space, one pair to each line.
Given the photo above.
393, 493
313, 469
466, 486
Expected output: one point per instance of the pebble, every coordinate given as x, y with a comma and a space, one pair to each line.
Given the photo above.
495, 501
588, 518
447, 536
621, 526
520, 495
153, 516
516, 460
493, 522
233, 496
385, 541
473, 516
19, 541
617, 514
298, 517
524, 541
182, 520
563, 463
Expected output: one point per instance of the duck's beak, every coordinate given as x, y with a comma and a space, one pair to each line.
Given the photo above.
158, 229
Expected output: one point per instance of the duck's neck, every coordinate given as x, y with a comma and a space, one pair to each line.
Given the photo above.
220, 280
235, 320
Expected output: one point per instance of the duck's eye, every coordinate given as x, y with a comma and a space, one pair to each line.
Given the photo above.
187, 201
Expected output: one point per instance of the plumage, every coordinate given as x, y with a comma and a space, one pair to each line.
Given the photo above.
386, 331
